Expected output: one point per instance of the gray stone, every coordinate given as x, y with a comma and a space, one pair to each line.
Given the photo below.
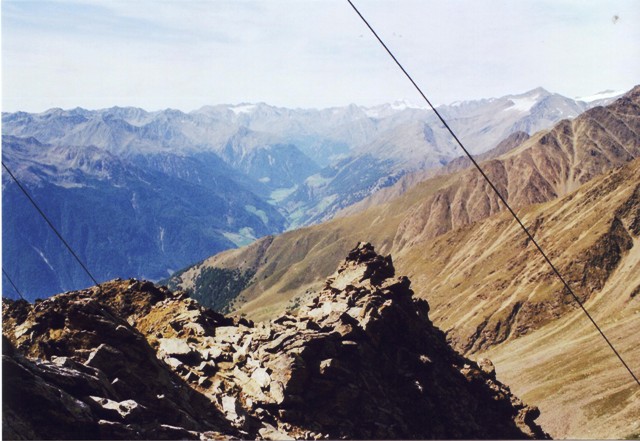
207, 367
228, 334
174, 346
276, 390
127, 410
105, 358
262, 377
232, 409
174, 363
270, 432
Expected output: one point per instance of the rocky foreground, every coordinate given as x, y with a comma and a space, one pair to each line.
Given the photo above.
129, 360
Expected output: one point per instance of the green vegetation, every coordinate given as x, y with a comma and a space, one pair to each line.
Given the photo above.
218, 287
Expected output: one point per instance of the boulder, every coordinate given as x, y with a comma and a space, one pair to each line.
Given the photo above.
262, 377
487, 367
174, 346
127, 410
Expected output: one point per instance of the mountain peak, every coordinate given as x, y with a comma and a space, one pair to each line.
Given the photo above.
540, 91
362, 264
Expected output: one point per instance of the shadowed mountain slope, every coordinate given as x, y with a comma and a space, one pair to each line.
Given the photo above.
120, 218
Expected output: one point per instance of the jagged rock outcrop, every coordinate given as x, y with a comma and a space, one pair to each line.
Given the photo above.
74, 367
360, 360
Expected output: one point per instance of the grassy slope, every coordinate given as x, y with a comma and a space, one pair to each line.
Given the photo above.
491, 266
559, 362
567, 369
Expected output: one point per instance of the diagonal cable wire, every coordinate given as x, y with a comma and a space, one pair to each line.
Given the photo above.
26, 193
13, 284
493, 187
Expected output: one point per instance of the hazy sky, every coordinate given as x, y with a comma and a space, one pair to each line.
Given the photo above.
185, 54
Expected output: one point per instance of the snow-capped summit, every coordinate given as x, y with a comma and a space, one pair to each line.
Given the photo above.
388, 109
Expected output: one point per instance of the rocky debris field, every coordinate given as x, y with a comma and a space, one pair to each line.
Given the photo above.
129, 360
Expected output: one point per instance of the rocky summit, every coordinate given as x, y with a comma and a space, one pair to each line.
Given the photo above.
361, 360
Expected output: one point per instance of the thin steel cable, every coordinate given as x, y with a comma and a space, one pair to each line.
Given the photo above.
26, 193
13, 284
477, 166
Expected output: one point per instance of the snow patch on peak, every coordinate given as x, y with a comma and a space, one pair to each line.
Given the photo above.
243, 108
387, 109
600, 95
524, 104
374, 112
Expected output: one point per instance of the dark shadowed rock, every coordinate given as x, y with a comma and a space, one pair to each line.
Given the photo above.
92, 375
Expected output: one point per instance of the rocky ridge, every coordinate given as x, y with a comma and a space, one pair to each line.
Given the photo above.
360, 360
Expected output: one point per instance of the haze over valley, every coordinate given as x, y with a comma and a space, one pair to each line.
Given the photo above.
148, 193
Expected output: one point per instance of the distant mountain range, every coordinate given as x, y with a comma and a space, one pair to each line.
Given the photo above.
120, 217
142, 193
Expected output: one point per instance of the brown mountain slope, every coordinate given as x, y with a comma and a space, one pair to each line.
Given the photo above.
361, 360
549, 165
568, 370
490, 284
408, 181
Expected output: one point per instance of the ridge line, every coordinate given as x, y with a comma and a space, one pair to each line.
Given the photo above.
493, 187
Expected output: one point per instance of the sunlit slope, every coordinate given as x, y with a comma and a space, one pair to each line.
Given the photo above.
567, 369
548, 165
496, 297
487, 283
